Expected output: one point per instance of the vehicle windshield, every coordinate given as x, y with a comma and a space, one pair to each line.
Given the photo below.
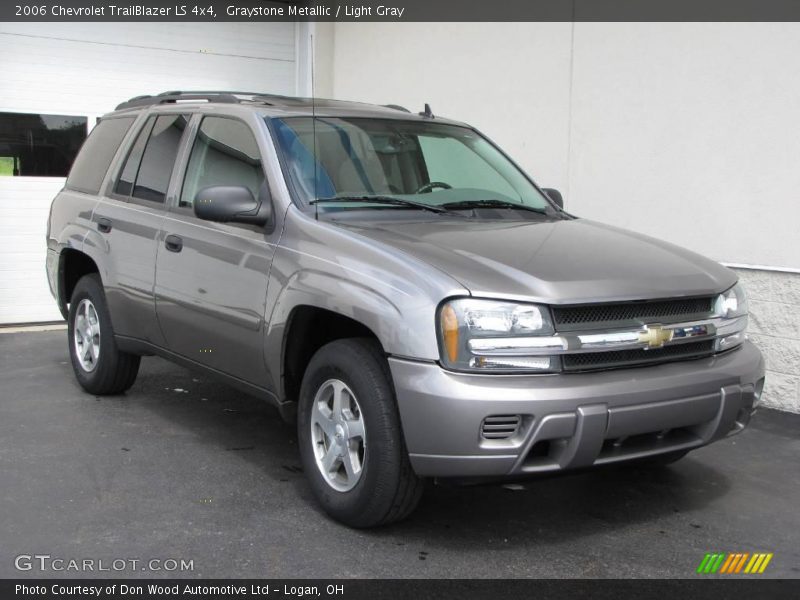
438, 165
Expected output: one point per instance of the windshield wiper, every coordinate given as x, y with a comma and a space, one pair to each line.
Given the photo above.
390, 200
468, 204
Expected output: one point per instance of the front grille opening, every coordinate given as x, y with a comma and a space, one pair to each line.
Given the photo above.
588, 316
500, 427
588, 361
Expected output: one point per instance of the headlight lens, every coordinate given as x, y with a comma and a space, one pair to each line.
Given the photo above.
731, 307
732, 303
487, 335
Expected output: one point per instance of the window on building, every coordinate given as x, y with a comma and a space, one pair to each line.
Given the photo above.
38, 145
225, 152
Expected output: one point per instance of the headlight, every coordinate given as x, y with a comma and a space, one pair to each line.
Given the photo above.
487, 335
731, 308
732, 303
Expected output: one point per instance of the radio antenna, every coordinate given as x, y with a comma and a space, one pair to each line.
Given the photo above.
314, 129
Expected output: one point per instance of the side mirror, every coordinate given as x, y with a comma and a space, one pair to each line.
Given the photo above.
232, 204
555, 196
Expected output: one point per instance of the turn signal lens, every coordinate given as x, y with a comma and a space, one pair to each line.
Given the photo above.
450, 332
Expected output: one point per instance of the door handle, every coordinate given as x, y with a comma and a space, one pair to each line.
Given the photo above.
103, 225
173, 243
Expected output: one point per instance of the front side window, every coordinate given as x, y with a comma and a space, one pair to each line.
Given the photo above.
38, 145
225, 152
439, 165
148, 168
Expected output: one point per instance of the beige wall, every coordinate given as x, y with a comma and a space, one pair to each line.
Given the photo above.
684, 131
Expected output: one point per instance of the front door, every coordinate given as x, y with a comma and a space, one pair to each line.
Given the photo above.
211, 278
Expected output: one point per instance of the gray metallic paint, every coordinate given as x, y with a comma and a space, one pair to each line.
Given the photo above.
555, 261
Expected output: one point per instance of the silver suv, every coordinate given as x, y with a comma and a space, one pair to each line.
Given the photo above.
396, 284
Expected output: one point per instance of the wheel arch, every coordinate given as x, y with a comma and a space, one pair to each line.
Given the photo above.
309, 328
72, 265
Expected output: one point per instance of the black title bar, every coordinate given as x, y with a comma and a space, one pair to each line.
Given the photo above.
403, 10
737, 588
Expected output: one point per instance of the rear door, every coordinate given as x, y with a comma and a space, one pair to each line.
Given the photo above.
129, 220
211, 278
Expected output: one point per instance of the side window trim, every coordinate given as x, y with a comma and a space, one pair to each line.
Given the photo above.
174, 205
122, 157
147, 126
148, 120
118, 162
181, 165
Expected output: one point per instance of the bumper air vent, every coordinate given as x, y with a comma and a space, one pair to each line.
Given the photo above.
500, 427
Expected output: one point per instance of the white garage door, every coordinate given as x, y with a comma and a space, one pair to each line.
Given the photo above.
58, 76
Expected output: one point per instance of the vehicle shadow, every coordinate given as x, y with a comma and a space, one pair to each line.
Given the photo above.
556, 509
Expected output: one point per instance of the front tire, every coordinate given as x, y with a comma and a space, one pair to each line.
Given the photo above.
351, 443
100, 367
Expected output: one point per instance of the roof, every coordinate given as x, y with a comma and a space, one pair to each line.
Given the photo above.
276, 104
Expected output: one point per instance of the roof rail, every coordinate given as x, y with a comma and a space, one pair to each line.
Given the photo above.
174, 96
397, 107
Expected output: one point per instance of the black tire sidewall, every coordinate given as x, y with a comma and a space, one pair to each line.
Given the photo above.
366, 377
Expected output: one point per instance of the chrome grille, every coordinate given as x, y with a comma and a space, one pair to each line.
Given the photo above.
622, 314
500, 427
588, 361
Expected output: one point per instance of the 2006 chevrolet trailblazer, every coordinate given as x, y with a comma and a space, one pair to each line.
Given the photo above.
396, 283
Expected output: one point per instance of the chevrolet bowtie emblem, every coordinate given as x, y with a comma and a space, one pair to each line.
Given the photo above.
655, 336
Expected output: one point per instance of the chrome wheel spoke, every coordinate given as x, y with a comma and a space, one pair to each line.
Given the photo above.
329, 460
356, 428
323, 421
349, 467
338, 399
338, 435
86, 336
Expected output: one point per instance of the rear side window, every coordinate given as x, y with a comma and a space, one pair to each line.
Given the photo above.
148, 168
128, 176
96, 155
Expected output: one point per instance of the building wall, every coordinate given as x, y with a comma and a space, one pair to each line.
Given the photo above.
683, 131
775, 328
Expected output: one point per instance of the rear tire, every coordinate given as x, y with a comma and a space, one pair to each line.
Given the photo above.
352, 448
99, 365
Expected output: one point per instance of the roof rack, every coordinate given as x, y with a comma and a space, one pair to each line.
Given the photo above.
225, 96
173, 96
397, 107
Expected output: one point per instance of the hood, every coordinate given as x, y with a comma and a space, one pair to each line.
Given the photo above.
558, 262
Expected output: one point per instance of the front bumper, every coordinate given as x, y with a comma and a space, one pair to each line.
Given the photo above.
571, 420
